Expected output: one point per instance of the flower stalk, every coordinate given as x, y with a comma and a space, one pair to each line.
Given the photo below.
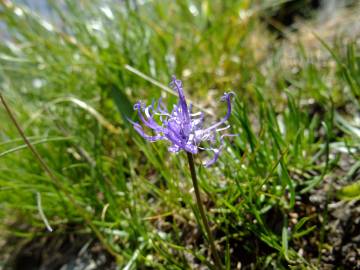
205, 221
185, 130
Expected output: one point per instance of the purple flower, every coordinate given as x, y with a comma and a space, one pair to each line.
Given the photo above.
182, 128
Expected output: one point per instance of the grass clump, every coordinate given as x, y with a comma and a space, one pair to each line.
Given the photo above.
71, 76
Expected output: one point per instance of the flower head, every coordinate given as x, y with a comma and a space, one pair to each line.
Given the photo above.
182, 128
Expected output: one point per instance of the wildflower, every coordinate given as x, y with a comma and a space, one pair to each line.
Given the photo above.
182, 128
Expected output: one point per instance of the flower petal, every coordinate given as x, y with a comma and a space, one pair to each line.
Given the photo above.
177, 86
140, 130
217, 151
210, 162
150, 122
226, 97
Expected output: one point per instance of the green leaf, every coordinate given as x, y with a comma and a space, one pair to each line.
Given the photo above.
350, 192
301, 223
122, 103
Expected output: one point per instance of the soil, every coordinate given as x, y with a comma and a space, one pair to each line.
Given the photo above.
64, 251
338, 224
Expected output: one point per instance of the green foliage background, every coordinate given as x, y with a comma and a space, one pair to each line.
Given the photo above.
71, 78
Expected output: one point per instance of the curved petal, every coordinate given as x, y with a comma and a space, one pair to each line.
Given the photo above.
174, 135
215, 157
217, 151
150, 122
140, 130
161, 107
177, 86
174, 148
189, 147
226, 97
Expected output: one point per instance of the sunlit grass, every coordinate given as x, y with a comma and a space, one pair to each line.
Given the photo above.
71, 80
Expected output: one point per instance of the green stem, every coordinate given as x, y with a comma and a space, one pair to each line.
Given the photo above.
202, 212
